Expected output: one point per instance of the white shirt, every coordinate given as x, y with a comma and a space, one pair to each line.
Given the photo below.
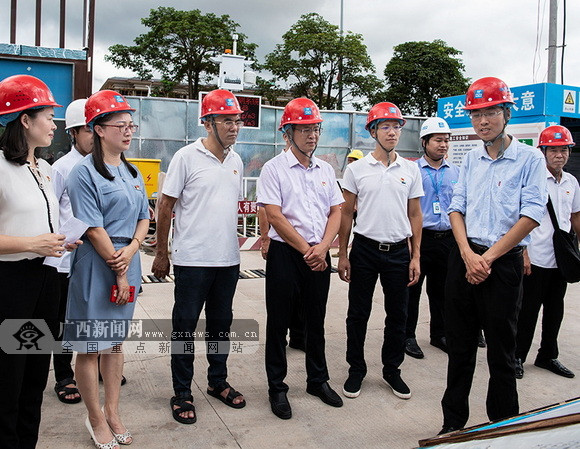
382, 196
305, 195
60, 171
566, 200
206, 211
25, 208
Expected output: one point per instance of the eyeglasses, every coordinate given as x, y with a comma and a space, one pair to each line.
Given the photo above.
231, 123
387, 128
486, 114
307, 131
123, 128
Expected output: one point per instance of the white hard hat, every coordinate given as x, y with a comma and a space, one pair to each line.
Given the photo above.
434, 125
75, 114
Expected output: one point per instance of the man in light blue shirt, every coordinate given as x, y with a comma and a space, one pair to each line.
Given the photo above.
439, 177
499, 198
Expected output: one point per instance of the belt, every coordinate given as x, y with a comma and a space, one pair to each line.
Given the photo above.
437, 234
480, 249
126, 240
386, 247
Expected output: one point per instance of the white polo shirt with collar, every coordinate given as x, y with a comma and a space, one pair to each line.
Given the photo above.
565, 197
206, 211
382, 196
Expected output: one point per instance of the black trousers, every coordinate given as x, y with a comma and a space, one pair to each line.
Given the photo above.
62, 362
435, 249
289, 280
494, 306
196, 288
544, 287
367, 263
28, 290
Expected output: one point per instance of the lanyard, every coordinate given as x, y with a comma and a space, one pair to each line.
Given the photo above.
436, 186
38, 177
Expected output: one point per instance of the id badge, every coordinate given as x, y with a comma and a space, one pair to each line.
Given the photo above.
436, 208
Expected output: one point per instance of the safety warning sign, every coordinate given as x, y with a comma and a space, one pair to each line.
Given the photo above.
569, 101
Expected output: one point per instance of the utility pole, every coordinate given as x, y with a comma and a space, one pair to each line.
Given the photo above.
339, 101
552, 41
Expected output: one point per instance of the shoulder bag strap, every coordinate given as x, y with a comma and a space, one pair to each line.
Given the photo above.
552, 213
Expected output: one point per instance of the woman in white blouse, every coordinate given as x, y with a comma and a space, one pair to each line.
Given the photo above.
28, 233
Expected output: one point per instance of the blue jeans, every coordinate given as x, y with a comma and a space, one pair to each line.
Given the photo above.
194, 287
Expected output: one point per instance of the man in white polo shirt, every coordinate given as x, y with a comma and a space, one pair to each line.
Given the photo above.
544, 285
82, 144
203, 186
387, 190
302, 201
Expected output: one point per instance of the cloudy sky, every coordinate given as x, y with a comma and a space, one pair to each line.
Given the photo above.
503, 38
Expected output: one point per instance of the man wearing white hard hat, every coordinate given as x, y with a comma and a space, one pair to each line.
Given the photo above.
82, 144
439, 177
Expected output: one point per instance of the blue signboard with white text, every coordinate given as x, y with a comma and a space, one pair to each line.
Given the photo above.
533, 103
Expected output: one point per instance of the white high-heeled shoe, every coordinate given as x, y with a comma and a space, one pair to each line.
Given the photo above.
113, 444
121, 438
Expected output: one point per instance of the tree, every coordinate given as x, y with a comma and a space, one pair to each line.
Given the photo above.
270, 92
419, 73
308, 60
179, 47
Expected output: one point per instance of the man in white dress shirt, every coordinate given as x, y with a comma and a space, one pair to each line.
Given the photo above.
544, 284
82, 144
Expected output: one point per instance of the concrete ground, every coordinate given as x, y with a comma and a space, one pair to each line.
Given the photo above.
375, 419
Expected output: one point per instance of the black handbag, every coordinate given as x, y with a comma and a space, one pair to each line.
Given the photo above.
565, 249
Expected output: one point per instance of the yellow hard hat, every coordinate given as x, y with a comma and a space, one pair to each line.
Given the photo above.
356, 154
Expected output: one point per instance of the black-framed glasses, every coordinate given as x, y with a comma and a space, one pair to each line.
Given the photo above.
123, 128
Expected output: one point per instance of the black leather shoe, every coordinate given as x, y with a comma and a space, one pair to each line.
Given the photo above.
555, 366
447, 429
481, 340
325, 393
280, 405
440, 343
519, 369
413, 349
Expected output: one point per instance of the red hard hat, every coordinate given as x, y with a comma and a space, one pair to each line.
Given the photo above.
21, 92
105, 102
556, 136
384, 111
300, 111
220, 101
487, 92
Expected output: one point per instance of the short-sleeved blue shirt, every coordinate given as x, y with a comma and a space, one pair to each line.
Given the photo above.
115, 205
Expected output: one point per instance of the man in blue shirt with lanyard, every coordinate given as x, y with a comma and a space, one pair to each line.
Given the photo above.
439, 178
499, 198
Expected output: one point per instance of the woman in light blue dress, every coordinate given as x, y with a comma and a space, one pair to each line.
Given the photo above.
108, 194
